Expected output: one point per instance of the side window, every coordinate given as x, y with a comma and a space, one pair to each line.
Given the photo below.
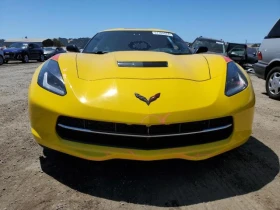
196, 43
31, 46
180, 43
275, 31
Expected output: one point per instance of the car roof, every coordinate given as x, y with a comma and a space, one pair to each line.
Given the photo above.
218, 40
137, 29
21, 42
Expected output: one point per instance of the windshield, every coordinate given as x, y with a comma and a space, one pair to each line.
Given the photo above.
212, 45
18, 45
251, 50
111, 41
237, 51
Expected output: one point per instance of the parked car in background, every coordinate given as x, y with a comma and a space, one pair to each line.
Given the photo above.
1, 57
51, 51
237, 52
23, 52
214, 45
268, 65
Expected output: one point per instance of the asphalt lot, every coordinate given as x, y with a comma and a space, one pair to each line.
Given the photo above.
245, 178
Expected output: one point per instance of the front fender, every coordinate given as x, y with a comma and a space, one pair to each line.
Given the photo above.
274, 62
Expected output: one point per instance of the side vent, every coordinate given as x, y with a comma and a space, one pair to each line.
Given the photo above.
143, 64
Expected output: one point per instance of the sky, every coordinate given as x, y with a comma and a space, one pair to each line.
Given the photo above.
230, 20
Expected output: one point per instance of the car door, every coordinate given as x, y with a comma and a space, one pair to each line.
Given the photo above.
38, 51
252, 55
32, 51
237, 52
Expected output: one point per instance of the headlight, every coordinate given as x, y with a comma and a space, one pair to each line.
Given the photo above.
236, 80
50, 78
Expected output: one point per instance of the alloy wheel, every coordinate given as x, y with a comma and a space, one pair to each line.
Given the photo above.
274, 83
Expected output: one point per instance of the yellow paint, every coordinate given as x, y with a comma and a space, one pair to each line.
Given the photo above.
100, 90
191, 67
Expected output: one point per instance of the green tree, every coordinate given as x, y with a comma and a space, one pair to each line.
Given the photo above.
57, 43
47, 43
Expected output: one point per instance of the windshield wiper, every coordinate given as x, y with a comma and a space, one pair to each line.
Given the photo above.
98, 52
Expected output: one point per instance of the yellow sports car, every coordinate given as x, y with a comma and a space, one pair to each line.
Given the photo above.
140, 94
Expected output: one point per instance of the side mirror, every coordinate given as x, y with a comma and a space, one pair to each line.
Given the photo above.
72, 48
201, 49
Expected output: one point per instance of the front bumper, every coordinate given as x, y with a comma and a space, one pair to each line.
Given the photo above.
48, 137
13, 56
44, 129
259, 69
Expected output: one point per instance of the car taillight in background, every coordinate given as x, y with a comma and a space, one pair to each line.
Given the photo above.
259, 55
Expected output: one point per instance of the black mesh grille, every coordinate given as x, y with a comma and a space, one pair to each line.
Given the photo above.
79, 130
11, 55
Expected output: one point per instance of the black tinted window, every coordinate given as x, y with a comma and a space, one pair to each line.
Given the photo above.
275, 31
111, 41
251, 50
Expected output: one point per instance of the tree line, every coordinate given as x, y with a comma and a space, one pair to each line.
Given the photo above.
52, 42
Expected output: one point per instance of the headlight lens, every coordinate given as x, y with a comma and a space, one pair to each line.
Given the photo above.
50, 78
236, 80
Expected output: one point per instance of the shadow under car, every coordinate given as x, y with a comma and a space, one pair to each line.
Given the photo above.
168, 183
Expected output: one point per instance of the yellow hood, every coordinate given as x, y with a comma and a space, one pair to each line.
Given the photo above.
97, 67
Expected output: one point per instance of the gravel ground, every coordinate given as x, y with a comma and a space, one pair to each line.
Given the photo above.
245, 178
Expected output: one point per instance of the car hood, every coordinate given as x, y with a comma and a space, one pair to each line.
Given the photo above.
12, 50
106, 66
183, 85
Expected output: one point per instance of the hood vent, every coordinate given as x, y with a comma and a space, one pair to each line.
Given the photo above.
142, 63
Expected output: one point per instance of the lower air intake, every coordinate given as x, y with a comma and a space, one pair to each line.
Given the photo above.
143, 137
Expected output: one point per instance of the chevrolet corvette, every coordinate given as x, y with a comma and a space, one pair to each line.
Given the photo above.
140, 94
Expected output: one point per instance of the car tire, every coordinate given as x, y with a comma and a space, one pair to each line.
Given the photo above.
273, 83
1, 60
42, 58
25, 59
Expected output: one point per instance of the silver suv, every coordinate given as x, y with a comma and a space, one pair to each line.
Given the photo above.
268, 65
